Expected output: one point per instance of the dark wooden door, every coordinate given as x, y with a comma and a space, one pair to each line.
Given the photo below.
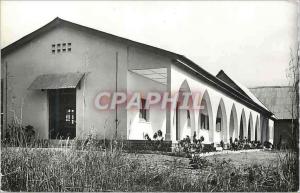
62, 113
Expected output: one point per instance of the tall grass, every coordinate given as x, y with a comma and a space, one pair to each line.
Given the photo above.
65, 169
68, 169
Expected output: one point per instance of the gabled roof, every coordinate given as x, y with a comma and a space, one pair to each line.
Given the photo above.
279, 99
242, 89
60, 22
224, 77
178, 59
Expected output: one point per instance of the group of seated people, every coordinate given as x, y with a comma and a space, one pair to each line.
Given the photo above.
157, 136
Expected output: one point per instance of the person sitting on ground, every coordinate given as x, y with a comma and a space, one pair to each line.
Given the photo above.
155, 136
194, 138
230, 143
188, 139
159, 135
222, 144
235, 144
147, 137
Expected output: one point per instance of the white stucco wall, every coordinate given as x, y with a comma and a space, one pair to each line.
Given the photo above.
137, 128
178, 76
91, 54
271, 131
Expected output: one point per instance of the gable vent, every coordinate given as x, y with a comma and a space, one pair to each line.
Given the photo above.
59, 48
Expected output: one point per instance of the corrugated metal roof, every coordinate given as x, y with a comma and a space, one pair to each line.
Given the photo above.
56, 81
278, 100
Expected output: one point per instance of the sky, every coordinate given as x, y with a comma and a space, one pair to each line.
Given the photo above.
250, 40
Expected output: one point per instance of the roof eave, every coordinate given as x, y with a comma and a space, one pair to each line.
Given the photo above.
222, 85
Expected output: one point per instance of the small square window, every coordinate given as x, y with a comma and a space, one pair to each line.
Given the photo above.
64, 49
69, 49
58, 45
53, 51
69, 44
53, 45
58, 50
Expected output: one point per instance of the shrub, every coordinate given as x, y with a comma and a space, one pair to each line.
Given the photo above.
247, 146
188, 147
244, 144
185, 144
208, 148
199, 162
257, 145
18, 135
267, 144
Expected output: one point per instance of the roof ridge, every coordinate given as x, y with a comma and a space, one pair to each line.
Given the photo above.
246, 91
222, 71
58, 20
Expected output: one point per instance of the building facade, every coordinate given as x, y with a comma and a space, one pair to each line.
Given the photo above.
52, 77
282, 101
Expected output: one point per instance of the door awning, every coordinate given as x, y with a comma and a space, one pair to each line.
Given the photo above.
56, 81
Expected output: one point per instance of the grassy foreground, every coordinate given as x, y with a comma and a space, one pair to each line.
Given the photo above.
46, 170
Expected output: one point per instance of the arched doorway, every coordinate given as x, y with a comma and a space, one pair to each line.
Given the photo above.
221, 124
205, 119
233, 124
250, 128
184, 113
243, 129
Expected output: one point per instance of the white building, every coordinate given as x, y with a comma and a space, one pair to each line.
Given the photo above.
52, 76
